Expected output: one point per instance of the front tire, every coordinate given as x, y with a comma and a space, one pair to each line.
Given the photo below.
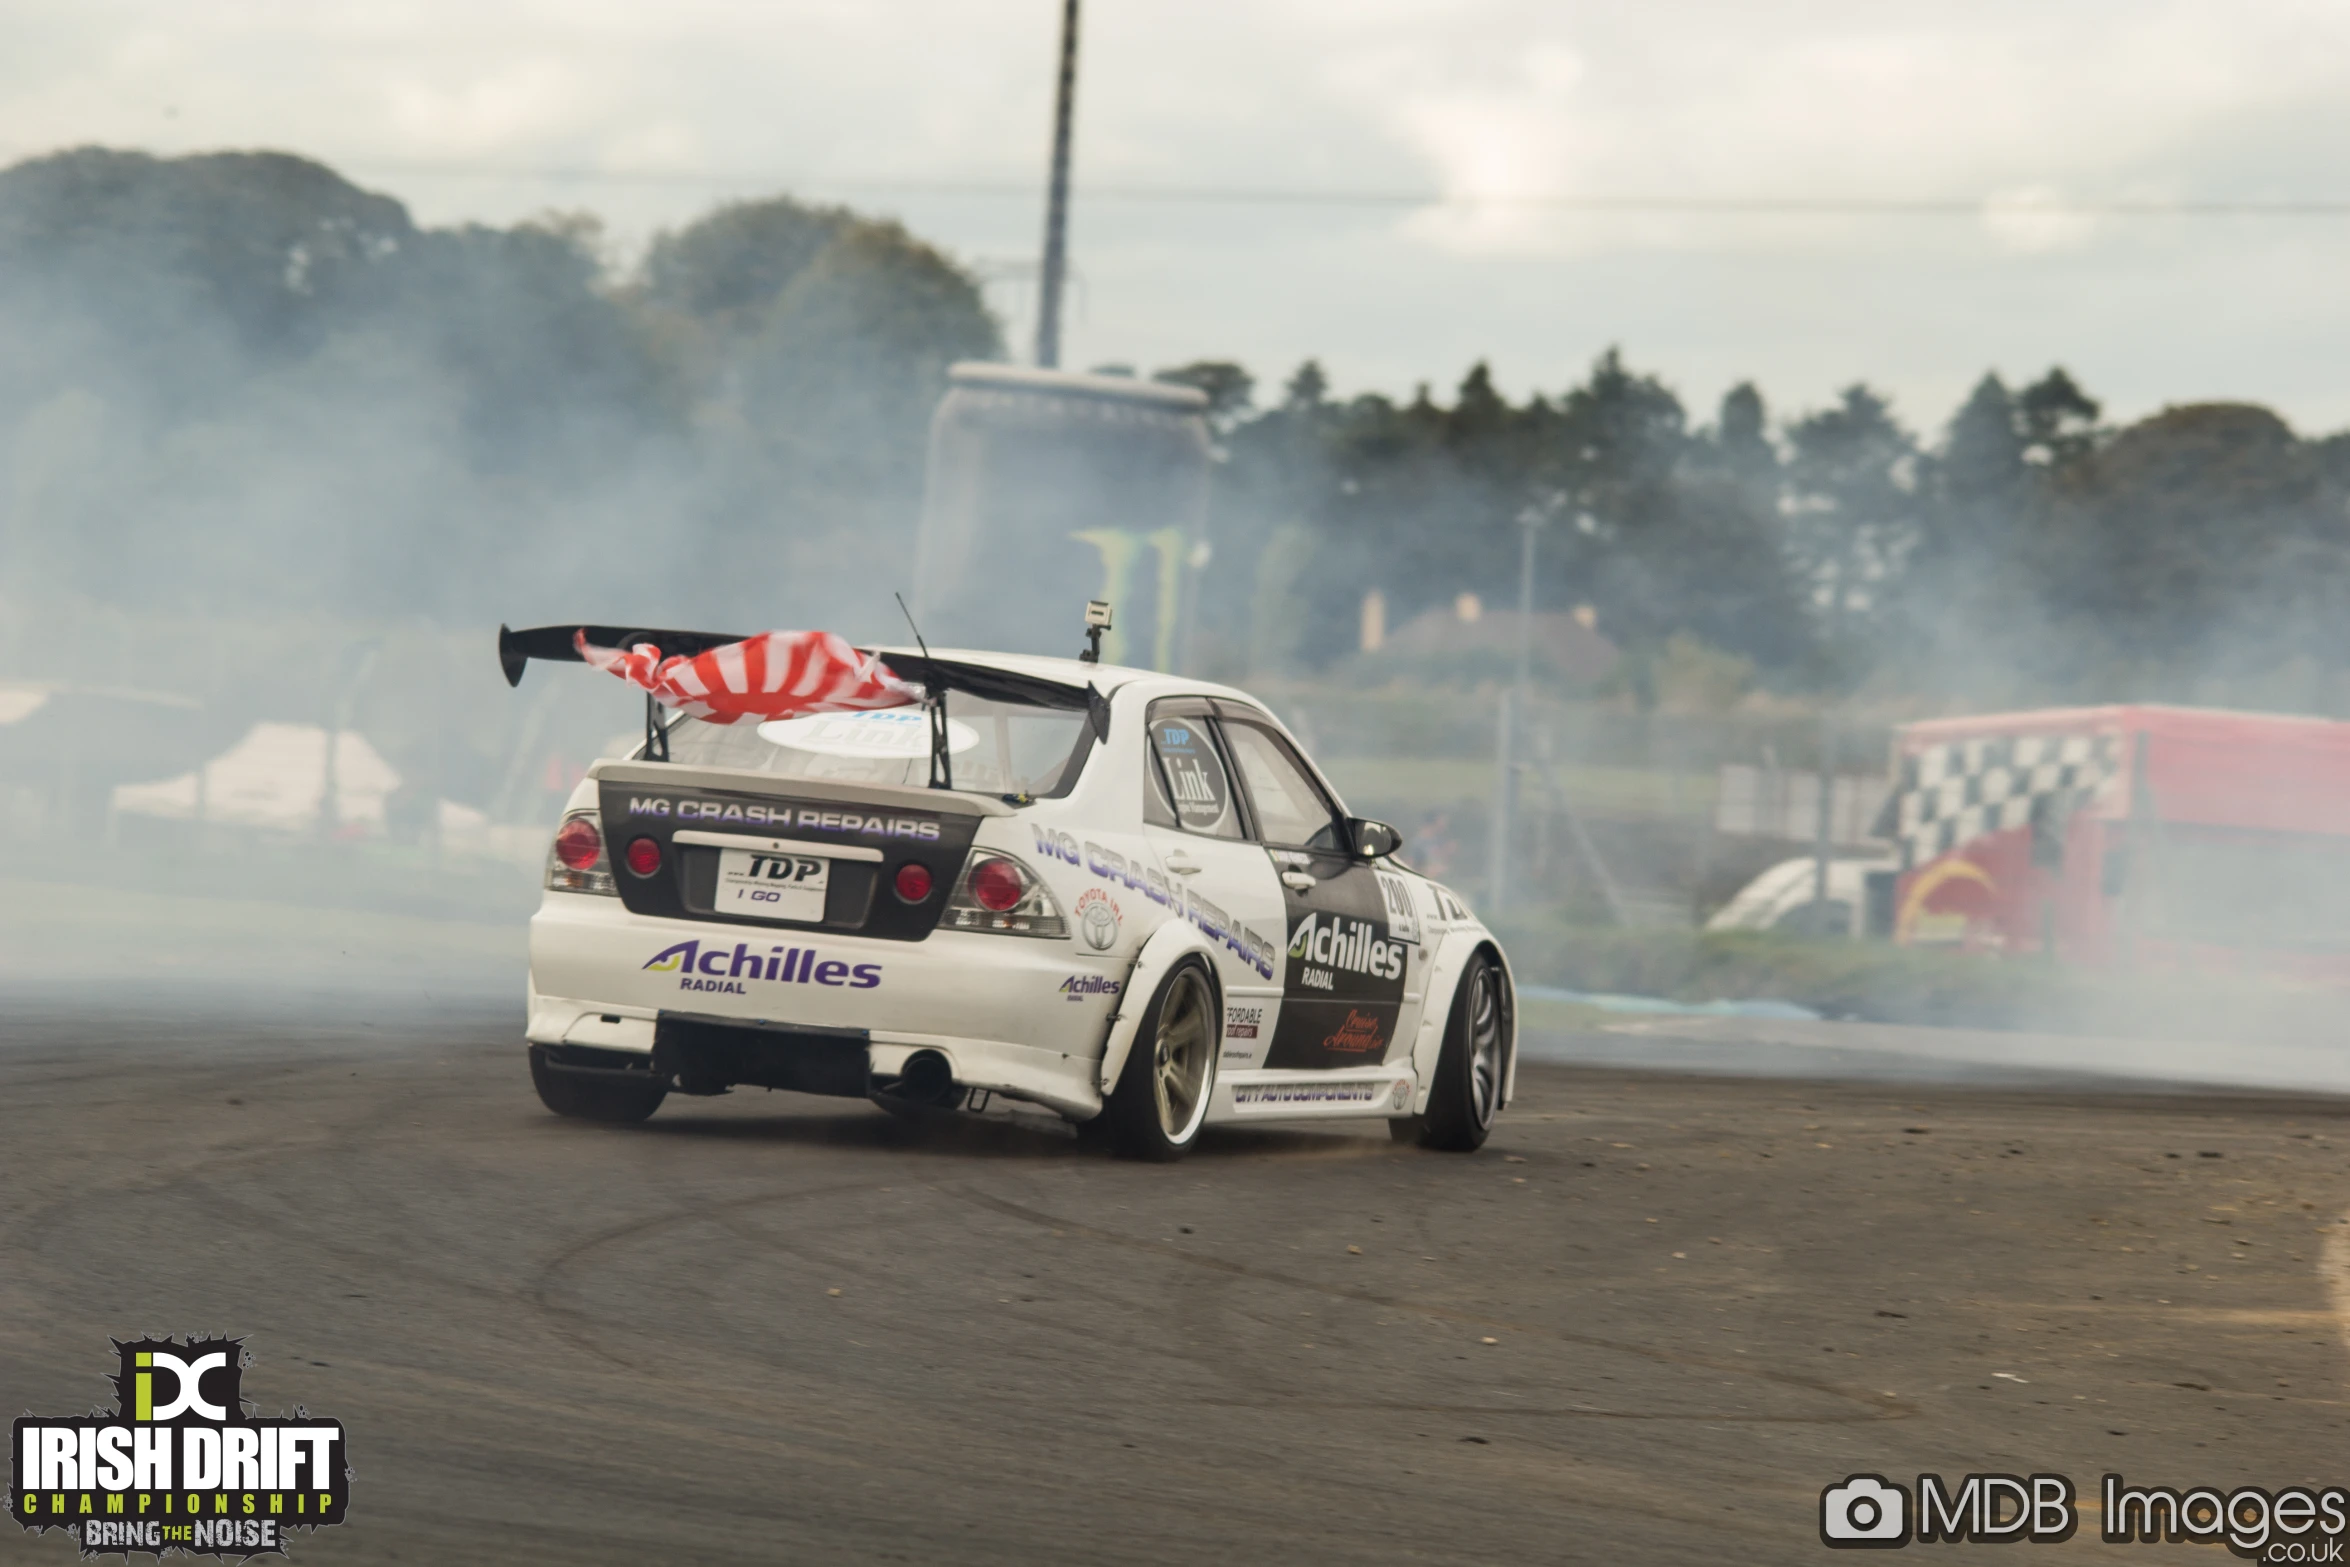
1161, 1100
584, 1096
1470, 1071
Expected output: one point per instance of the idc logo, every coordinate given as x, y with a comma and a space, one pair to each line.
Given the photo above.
1866, 1512
180, 1464
186, 1380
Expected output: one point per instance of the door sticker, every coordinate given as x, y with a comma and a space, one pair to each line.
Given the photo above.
1342, 986
1203, 797
1403, 917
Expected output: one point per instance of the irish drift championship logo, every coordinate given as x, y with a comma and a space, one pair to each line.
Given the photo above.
179, 1465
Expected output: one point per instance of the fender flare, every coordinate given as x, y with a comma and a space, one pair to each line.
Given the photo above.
1441, 988
1167, 946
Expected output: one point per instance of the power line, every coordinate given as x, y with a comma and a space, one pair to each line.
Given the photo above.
1301, 196
1009, 189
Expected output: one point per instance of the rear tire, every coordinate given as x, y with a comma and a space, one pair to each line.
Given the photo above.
1162, 1095
1474, 1064
588, 1097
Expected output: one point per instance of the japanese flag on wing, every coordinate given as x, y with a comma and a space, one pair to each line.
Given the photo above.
781, 674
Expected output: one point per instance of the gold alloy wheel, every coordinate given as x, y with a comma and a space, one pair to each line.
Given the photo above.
1182, 1053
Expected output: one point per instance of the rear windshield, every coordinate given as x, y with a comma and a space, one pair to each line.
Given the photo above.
996, 747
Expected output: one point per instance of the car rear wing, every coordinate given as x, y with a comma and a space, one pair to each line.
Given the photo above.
560, 644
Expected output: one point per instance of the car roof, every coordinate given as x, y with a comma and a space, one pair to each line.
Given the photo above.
1110, 679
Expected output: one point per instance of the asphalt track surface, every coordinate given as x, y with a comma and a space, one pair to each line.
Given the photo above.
1646, 1324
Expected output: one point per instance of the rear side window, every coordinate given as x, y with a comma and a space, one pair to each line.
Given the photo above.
1189, 787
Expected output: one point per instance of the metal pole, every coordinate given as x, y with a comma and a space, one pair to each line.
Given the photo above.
1056, 208
1824, 823
1516, 713
1529, 520
1497, 875
1514, 707
2138, 846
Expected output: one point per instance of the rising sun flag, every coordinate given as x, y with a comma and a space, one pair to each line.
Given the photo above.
778, 674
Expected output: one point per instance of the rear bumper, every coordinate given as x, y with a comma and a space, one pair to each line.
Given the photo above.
1001, 1009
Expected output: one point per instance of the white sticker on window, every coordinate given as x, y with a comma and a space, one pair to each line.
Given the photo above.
890, 734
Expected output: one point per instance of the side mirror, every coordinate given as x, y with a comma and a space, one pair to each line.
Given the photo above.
1373, 840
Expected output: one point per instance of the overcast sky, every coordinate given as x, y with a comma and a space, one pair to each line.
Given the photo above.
937, 111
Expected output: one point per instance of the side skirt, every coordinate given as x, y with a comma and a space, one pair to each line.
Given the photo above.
1352, 1094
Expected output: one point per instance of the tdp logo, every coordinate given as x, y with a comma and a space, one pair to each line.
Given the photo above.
179, 1465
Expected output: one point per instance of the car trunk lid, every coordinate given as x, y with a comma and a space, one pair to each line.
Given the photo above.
715, 826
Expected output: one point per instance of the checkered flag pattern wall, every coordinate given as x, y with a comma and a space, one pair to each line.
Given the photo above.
1952, 794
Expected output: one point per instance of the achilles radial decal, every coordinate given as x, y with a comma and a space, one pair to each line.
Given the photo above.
1343, 984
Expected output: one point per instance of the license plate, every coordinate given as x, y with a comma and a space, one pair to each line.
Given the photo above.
772, 886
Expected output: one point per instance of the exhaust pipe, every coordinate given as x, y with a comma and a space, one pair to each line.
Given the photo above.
926, 1080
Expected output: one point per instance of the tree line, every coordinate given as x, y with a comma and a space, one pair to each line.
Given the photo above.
237, 381
242, 384
2027, 548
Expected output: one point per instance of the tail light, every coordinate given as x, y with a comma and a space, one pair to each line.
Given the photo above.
997, 886
578, 844
913, 882
998, 893
576, 862
644, 856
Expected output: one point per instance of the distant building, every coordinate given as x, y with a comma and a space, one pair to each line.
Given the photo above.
2170, 839
1564, 645
304, 780
64, 747
1047, 488
277, 776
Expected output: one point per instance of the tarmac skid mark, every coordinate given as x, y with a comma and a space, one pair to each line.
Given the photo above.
1861, 1405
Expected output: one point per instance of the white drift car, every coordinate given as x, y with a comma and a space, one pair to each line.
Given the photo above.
1121, 896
